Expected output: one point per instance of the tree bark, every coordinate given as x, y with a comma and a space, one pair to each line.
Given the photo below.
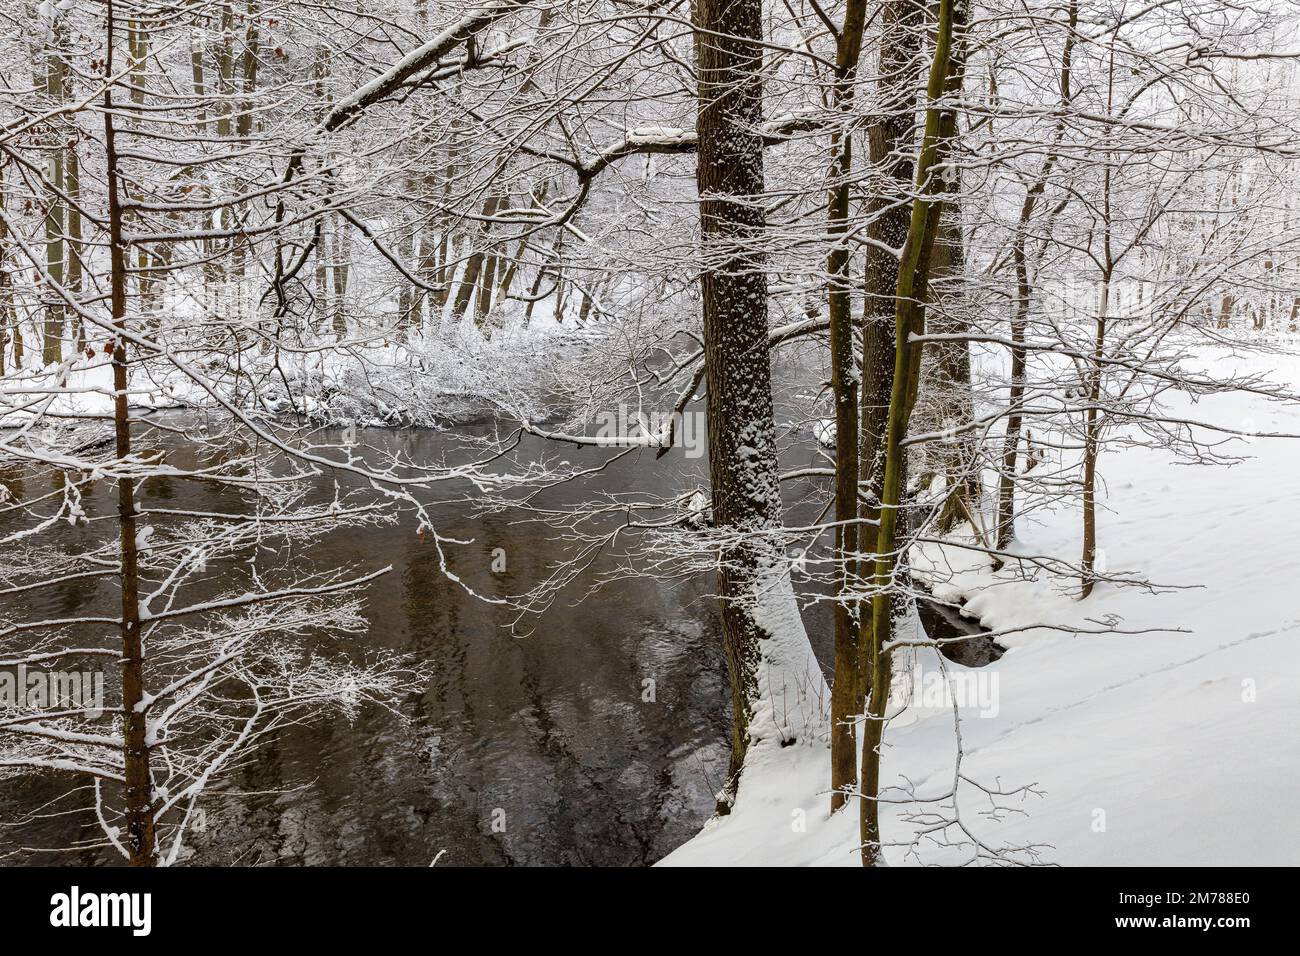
76, 245
1006, 519
947, 403
890, 148
248, 66
469, 280
912, 291
742, 430
140, 838
10, 333
56, 252
844, 390
1091, 445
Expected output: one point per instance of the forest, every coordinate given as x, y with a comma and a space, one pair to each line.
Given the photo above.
624, 432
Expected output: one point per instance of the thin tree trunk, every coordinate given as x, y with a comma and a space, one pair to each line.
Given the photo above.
844, 389
76, 246
1091, 445
946, 74
140, 837
1006, 519
891, 149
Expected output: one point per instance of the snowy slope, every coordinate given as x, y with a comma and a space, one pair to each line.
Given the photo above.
1157, 748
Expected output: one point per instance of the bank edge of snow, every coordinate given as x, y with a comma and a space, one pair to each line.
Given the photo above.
457, 373
790, 740
1162, 748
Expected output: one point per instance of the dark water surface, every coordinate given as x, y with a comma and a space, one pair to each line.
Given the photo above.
538, 750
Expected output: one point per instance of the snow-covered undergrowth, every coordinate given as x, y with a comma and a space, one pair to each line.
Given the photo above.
458, 374
1174, 746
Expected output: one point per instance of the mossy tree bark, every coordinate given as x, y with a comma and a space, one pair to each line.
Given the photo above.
911, 294
890, 145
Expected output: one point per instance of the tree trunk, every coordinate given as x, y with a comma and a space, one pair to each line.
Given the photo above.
1006, 519
948, 403
76, 246
486, 287
56, 78
339, 269
248, 66
890, 146
1091, 445
140, 839
10, 334
844, 389
225, 69
196, 76
742, 430
473, 269
912, 291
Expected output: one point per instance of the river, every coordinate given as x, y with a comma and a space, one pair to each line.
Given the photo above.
519, 751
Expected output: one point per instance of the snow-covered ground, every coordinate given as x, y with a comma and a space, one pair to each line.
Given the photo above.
1179, 747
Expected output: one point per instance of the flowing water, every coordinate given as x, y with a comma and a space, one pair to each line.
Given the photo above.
541, 750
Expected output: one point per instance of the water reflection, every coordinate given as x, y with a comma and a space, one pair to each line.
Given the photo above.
538, 750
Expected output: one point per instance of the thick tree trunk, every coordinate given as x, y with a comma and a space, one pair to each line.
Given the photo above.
198, 80
407, 300
891, 149
486, 288
248, 66
225, 69
339, 269
56, 250
10, 334
469, 280
947, 401
742, 431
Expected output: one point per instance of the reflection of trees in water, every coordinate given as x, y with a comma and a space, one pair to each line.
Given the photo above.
550, 728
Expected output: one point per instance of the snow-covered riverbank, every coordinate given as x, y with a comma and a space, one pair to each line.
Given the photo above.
455, 376
1176, 746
